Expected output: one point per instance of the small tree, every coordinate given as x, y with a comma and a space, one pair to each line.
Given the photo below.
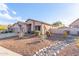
58, 23
21, 31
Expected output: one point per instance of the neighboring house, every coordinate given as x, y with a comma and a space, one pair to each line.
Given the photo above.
60, 30
32, 25
75, 24
73, 28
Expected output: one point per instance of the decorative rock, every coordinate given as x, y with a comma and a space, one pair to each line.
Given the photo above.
36, 52
54, 54
54, 50
58, 51
62, 48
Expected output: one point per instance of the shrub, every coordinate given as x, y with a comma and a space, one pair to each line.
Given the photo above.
37, 33
48, 33
65, 34
33, 32
77, 42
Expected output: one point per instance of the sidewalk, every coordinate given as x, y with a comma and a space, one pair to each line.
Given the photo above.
6, 52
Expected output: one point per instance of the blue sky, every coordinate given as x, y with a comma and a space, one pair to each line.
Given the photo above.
50, 13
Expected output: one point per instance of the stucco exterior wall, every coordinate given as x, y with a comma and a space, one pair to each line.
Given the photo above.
17, 28
44, 27
48, 27
30, 22
73, 31
33, 24
75, 24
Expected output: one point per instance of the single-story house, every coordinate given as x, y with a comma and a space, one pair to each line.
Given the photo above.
73, 28
75, 24
19, 26
32, 25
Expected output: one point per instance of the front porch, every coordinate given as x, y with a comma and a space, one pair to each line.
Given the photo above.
31, 28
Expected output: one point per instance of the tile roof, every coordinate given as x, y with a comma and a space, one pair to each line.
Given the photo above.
38, 21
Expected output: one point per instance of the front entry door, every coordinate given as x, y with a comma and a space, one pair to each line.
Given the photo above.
29, 28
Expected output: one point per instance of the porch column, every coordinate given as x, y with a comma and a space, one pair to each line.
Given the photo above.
26, 28
43, 29
33, 26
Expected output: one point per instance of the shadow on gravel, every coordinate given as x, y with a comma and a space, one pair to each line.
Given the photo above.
34, 42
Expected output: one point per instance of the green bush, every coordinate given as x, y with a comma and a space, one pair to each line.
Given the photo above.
65, 34
37, 33
33, 32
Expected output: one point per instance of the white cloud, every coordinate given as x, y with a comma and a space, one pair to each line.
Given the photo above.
14, 12
19, 19
3, 6
5, 14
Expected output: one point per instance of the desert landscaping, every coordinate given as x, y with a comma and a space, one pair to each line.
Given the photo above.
30, 45
26, 46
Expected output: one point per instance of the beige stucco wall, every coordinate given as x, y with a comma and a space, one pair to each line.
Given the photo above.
30, 22
48, 27
24, 28
17, 29
33, 23
44, 27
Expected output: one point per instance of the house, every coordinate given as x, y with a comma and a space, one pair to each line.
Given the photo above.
73, 28
75, 24
32, 25
18, 27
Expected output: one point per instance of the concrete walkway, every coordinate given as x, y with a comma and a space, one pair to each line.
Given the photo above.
6, 52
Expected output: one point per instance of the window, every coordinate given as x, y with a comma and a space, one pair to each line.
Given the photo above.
37, 28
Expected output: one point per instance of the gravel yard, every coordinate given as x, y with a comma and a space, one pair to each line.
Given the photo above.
26, 46
70, 50
64, 47
54, 46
